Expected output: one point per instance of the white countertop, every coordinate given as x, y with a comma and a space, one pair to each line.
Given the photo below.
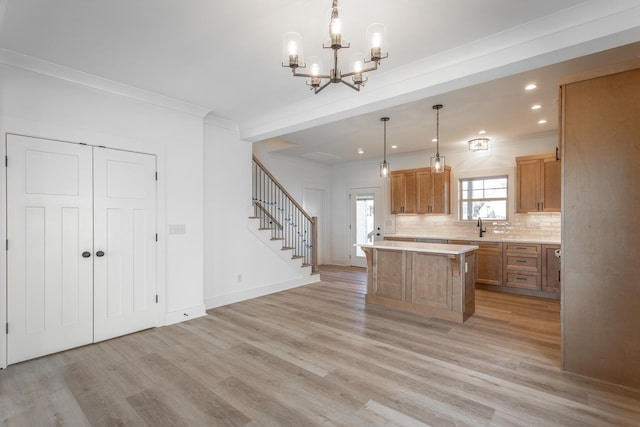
433, 248
486, 238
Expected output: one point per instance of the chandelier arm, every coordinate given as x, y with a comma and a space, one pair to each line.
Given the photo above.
353, 73
377, 60
319, 88
354, 87
320, 76
293, 67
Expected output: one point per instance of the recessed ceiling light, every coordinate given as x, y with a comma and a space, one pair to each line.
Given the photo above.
360, 150
394, 146
541, 122
530, 86
536, 106
482, 132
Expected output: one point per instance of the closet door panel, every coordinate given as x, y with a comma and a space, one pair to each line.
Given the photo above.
125, 229
49, 227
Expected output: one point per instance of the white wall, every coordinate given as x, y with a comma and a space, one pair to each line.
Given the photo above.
238, 265
39, 105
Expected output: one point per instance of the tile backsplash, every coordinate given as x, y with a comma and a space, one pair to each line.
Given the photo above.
534, 226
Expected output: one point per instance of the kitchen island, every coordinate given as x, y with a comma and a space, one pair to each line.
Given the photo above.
430, 279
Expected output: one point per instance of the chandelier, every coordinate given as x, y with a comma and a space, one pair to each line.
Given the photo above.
293, 58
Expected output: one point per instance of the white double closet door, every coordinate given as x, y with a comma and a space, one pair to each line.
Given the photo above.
81, 258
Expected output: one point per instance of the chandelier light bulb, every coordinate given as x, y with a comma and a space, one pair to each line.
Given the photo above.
292, 47
336, 26
376, 40
315, 69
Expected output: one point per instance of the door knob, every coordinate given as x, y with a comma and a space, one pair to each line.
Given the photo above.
86, 254
99, 254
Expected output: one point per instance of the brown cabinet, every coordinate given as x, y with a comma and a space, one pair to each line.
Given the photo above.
550, 269
538, 180
489, 262
403, 192
418, 191
600, 223
522, 267
434, 191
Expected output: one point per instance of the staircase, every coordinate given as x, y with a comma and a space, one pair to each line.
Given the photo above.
292, 229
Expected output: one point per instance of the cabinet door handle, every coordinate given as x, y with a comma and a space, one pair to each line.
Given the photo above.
541, 206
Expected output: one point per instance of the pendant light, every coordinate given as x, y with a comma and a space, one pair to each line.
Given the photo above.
437, 162
384, 166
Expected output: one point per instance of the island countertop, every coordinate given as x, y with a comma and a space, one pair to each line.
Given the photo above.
433, 248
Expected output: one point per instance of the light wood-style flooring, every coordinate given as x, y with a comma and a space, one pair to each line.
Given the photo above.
315, 355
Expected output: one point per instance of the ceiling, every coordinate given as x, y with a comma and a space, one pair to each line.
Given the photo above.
473, 56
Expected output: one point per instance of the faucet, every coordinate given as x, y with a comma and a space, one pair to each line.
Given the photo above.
482, 230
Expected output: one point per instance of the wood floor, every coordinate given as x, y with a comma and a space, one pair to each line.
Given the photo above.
316, 355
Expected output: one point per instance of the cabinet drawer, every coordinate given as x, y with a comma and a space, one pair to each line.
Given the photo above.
517, 262
489, 247
520, 279
523, 249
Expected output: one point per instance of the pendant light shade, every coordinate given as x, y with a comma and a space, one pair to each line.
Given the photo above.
437, 162
384, 166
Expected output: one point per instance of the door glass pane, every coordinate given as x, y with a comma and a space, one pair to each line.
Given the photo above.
364, 222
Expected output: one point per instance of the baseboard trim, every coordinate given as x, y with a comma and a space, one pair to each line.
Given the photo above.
185, 314
230, 298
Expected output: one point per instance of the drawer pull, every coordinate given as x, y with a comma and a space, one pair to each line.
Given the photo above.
520, 248
521, 261
521, 278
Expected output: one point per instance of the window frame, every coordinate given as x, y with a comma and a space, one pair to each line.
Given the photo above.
461, 200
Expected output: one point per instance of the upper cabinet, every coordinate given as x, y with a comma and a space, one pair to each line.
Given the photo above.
403, 191
418, 191
538, 180
434, 191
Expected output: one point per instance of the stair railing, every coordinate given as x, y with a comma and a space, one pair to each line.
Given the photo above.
280, 213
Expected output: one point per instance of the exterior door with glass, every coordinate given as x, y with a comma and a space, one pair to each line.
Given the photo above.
365, 222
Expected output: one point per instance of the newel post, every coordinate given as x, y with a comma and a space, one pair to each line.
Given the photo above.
314, 244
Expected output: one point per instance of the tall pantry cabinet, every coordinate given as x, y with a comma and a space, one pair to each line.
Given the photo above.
600, 140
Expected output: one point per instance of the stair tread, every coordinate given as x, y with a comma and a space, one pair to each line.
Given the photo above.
297, 257
277, 238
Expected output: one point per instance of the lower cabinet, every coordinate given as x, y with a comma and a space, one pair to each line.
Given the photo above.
522, 267
550, 269
530, 269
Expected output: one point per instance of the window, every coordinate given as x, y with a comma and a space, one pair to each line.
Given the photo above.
483, 197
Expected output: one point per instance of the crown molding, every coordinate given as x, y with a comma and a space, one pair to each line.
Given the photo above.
40, 66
